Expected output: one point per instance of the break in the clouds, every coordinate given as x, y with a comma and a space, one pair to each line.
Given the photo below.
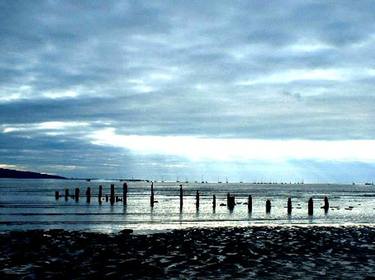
251, 90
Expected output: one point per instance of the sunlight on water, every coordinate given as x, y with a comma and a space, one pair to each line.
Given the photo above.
30, 204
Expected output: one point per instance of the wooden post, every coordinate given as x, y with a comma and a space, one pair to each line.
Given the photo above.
112, 195
231, 202
181, 197
57, 195
250, 204
268, 206
326, 204
88, 195
66, 194
228, 195
197, 200
289, 206
152, 197
106, 198
125, 193
100, 194
310, 207
76, 194
214, 202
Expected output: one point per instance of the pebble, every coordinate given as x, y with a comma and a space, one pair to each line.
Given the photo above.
313, 252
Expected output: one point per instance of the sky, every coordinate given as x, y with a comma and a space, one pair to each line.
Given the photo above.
248, 90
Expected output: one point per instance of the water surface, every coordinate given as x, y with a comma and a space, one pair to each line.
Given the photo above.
31, 204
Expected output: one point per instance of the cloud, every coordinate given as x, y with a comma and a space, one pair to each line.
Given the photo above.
198, 70
45, 126
219, 149
10, 166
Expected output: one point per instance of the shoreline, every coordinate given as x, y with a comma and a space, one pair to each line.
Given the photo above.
168, 228
258, 252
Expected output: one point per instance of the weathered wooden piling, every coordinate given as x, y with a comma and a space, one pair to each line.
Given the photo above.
310, 206
231, 202
66, 194
326, 204
76, 194
197, 199
88, 195
268, 206
100, 194
106, 198
214, 202
289, 206
250, 204
181, 197
152, 197
57, 195
228, 195
112, 194
125, 193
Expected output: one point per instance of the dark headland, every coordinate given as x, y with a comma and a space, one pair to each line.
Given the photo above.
313, 252
16, 174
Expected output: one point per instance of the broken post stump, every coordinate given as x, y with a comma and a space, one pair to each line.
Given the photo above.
112, 194
231, 202
214, 202
66, 194
181, 197
250, 204
289, 206
197, 200
88, 195
57, 195
310, 206
76, 194
268, 206
125, 193
100, 194
326, 204
152, 197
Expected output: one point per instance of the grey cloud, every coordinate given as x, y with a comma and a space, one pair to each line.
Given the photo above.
320, 117
162, 68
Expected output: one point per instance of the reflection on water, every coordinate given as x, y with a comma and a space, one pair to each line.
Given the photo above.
31, 204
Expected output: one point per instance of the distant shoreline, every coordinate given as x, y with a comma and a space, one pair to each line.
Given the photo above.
17, 174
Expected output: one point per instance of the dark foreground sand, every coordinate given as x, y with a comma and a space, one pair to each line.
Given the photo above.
258, 252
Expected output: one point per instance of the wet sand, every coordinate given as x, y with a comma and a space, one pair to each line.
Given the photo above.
255, 252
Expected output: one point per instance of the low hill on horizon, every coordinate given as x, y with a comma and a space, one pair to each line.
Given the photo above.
16, 174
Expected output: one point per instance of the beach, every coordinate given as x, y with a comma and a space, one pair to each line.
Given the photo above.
42, 237
260, 252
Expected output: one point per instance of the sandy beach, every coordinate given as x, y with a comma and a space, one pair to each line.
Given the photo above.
218, 253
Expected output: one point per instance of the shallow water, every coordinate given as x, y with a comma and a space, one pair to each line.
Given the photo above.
30, 204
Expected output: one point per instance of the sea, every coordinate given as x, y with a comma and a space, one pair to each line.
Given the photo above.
30, 204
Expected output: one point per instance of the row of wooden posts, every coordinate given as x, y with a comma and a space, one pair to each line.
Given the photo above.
230, 199
111, 198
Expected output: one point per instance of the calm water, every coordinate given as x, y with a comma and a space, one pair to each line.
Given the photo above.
30, 204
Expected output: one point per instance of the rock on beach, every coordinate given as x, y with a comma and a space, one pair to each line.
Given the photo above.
254, 252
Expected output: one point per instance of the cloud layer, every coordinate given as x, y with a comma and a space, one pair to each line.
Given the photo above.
239, 70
